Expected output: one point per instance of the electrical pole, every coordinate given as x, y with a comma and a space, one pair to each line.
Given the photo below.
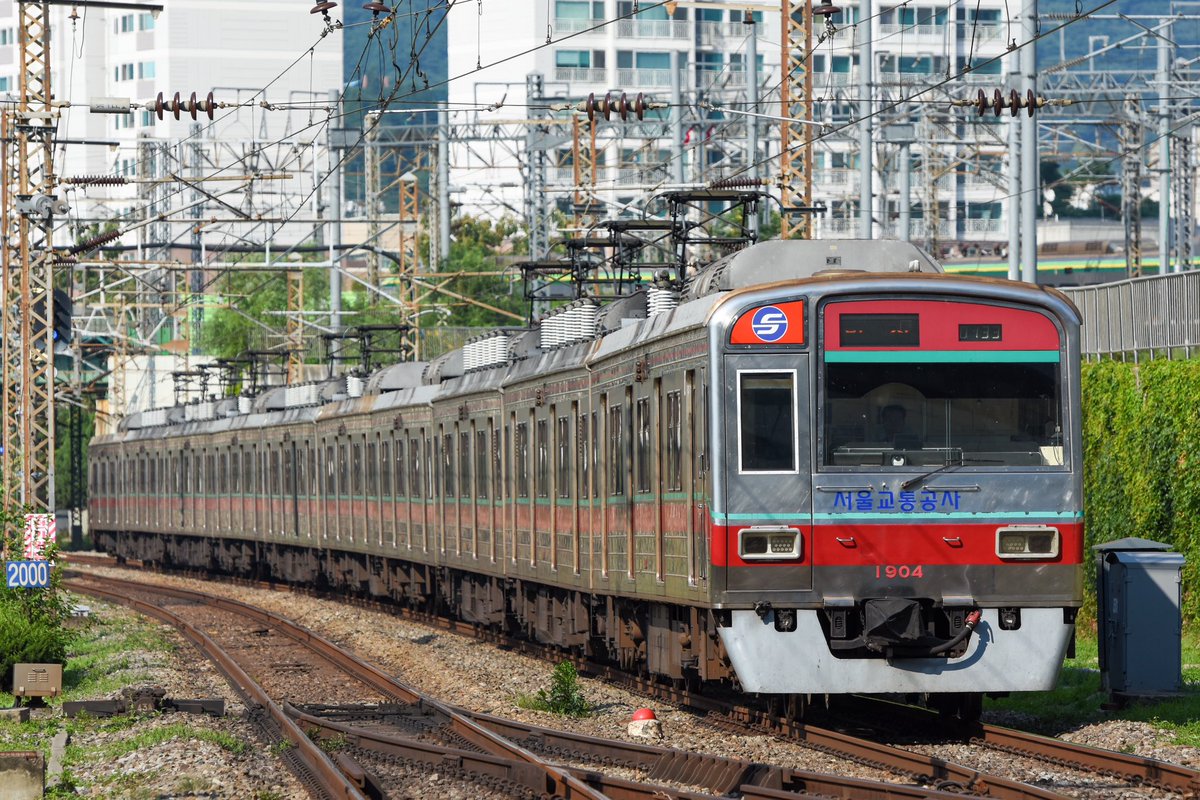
1014, 186
1130, 138
335, 210
751, 71
1031, 195
28, 305
866, 118
1163, 77
795, 100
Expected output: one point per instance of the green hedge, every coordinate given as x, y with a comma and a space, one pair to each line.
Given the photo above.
1141, 438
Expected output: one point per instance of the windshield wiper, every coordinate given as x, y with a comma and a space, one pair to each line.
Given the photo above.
911, 482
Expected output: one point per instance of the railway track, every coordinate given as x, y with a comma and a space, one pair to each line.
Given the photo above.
471, 744
934, 773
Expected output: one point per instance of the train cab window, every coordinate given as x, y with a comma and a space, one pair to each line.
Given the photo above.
970, 413
766, 421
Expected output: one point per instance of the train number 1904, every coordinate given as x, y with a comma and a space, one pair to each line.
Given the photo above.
899, 571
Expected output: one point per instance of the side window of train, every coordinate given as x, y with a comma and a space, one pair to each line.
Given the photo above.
385, 468
372, 467
642, 449
594, 454
766, 421
464, 463
674, 448
415, 475
562, 466
343, 471
482, 456
616, 451
447, 465
356, 469
583, 448
401, 472
521, 458
543, 459
495, 450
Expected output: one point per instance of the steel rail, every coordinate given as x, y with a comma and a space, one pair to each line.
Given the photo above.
936, 772
330, 779
721, 775
557, 781
1109, 763
495, 766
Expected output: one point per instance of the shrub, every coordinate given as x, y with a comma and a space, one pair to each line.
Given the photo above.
32, 621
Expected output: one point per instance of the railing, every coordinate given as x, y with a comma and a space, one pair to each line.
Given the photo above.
839, 79
896, 29
654, 29
978, 225
643, 78
717, 33
581, 74
1152, 316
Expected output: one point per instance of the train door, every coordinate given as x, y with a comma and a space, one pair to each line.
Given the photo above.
768, 474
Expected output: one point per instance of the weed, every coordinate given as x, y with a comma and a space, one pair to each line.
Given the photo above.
564, 696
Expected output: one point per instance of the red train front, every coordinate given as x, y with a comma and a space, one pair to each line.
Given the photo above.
900, 503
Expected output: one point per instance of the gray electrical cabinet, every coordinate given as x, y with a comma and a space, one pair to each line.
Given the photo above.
1138, 594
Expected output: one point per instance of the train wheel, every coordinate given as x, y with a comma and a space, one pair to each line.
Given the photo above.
958, 706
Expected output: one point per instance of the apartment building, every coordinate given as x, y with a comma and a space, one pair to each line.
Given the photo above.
580, 47
243, 53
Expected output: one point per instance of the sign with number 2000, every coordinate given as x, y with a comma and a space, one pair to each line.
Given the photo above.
27, 574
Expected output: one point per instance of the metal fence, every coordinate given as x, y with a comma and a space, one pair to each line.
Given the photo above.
1149, 317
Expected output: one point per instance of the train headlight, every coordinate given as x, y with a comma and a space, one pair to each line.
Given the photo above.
769, 544
1027, 542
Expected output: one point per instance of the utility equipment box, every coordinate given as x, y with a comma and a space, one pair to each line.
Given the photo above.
1138, 593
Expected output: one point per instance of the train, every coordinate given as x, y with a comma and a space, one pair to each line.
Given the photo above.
811, 468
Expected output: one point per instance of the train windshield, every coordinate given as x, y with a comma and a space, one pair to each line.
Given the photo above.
904, 411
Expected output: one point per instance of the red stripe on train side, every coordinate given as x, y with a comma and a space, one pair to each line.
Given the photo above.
856, 545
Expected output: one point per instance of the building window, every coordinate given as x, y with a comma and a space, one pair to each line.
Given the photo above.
127, 23
4, 84
147, 119
146, 22
145, 69
579, 59
7, 36
579, 9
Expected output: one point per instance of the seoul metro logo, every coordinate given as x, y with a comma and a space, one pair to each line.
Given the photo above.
769, 324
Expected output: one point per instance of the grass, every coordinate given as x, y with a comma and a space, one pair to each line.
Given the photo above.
117, 651
1078, 698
